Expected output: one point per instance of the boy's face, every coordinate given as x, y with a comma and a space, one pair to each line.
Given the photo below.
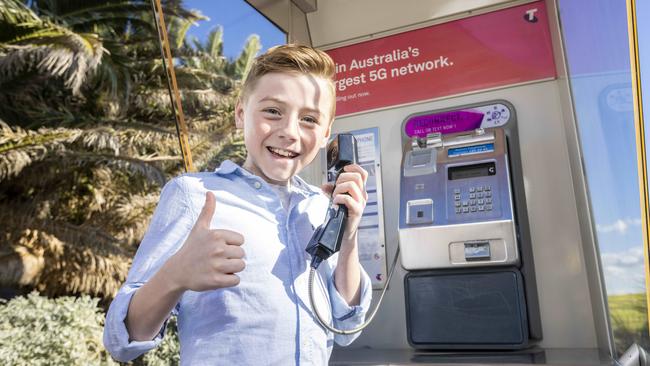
286, 120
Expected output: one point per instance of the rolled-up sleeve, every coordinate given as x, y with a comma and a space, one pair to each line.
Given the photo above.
170, 225
348, 317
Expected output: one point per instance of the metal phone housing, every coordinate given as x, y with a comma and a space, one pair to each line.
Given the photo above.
456, 205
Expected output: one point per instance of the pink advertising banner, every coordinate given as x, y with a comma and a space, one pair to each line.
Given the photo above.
494, 49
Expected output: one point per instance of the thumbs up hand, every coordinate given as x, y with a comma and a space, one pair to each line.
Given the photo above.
208, 259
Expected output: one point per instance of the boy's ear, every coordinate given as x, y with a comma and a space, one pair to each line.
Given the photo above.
239, 114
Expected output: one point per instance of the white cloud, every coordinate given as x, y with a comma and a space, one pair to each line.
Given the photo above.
620, 225
624, 271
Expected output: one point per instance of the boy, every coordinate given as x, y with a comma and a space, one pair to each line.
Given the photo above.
226, 250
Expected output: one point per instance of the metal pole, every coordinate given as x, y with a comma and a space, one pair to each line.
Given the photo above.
174, 94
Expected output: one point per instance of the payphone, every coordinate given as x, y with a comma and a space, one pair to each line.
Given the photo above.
463, 231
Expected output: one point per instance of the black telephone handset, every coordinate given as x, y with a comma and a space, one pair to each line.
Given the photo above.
326, 240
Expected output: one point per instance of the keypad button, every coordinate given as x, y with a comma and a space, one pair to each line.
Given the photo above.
457, 197
479, 189
472, 189
473, 209
479, 195
488, 188
457, 203
488, 200
458, 210
488, 194
481, 208
472, 202
480, 202
465, 203
472, 195
456, 190
465, 209
488, 207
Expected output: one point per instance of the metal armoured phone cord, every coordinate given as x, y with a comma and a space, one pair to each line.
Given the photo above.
314, 264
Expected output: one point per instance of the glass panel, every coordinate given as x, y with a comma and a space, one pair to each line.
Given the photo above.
596, 42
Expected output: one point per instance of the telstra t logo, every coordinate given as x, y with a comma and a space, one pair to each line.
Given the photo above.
530, 15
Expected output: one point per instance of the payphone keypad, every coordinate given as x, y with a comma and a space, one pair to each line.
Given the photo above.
473, 199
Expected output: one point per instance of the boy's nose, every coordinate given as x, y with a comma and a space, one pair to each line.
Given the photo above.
290, 129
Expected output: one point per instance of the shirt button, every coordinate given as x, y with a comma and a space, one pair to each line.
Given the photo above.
257, 185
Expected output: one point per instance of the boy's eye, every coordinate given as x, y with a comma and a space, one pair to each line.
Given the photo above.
273, 111
310, 119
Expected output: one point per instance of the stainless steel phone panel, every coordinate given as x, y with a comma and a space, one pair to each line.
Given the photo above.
456, 201
444, 246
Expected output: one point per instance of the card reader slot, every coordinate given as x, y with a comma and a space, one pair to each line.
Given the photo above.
469, 139
477, 251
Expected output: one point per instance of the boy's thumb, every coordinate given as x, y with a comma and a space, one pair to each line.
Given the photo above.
205, 217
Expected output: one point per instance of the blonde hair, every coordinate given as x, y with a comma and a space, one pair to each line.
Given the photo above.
292, 58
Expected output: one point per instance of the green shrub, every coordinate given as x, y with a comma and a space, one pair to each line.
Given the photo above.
168, 353
35, 330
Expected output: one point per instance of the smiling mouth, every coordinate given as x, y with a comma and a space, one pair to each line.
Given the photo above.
282, 153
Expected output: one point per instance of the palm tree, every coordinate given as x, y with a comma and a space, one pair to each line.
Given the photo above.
87, 138
93, 45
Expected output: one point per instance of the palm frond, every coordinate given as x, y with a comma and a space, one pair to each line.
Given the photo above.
215, 42
58, 258
145, 165
133, 214
196, 43
178, 28
15, 12
51, 50
234, 150
20, 148
239, 68
100, 139
70, 9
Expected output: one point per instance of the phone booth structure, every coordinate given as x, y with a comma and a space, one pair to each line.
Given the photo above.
465, 118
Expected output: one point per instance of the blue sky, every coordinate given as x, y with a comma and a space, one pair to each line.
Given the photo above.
239, 20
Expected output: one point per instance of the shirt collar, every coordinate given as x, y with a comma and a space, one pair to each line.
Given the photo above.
228, 167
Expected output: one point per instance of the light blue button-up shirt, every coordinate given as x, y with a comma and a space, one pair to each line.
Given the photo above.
266, 319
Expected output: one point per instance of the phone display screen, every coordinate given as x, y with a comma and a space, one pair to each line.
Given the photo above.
471, 171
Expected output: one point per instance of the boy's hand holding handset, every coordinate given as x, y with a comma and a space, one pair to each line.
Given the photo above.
350, 191
209, 258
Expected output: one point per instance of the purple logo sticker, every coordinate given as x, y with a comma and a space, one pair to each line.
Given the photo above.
445, 122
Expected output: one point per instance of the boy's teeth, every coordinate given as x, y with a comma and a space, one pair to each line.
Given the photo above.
285, 153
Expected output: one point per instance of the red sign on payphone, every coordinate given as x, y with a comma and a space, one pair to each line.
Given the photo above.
498, 48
